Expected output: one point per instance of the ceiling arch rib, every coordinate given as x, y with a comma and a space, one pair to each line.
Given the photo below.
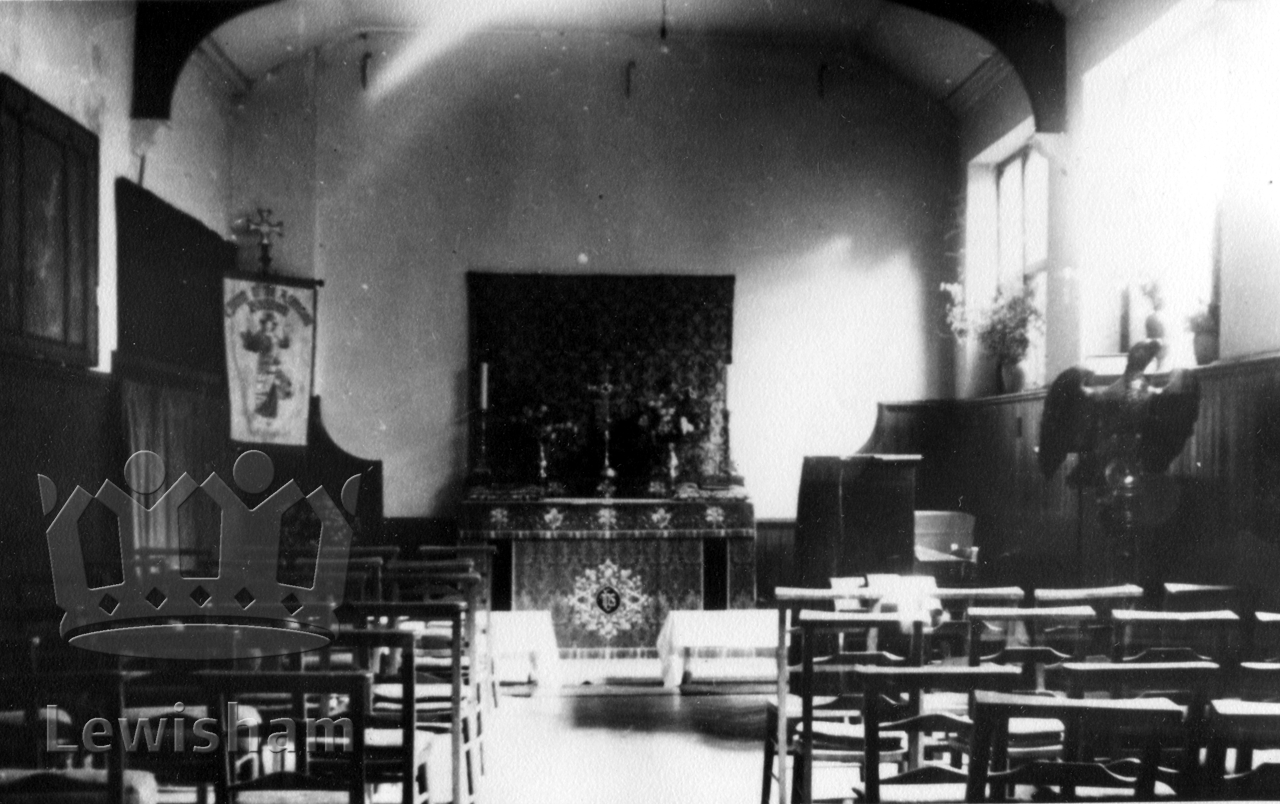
166, 33
1029, 33
1032, 36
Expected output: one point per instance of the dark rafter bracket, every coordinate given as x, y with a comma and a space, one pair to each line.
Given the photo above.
166, 33
1032, 36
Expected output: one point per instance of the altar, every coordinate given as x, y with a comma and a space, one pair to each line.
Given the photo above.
609, 570
599, 447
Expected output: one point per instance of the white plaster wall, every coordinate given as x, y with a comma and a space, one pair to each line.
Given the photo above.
273, 161
522, 152
1084, 300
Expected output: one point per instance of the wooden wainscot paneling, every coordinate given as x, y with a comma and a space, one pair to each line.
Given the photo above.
61, 422
980, 457
1228, 525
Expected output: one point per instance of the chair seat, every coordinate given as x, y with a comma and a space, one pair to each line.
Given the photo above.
851, 736
394, 738
389, 692
79, 786
795, 708
292, 797
1036, 727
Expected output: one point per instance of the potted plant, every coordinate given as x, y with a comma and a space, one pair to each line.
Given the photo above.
1003, 329
1204, 331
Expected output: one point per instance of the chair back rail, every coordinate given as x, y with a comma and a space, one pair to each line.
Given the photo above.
1155, 718
1164, 636
878, 682
1195, 682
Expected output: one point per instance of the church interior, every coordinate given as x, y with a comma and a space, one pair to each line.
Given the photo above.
676, 400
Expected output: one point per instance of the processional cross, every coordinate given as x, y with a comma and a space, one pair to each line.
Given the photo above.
265, 229
605, 390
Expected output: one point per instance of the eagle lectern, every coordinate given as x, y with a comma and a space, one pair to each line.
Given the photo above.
1125, 436
855, 516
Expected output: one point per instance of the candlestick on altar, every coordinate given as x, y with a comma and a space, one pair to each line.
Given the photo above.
480, 472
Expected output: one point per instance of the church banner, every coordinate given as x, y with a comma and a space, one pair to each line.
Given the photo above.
270, 335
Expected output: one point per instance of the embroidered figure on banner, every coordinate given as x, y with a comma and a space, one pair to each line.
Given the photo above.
273, 383
270, 342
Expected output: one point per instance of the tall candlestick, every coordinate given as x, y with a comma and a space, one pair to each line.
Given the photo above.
484, 386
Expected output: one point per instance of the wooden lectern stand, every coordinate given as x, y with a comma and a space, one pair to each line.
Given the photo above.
855, 516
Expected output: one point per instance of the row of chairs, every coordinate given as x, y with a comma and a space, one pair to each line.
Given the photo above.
840, 720
407, 675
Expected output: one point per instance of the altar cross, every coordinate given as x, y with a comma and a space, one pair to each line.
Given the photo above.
265, 229
606, 390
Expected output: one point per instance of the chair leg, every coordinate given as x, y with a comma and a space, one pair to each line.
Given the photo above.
800, 770
766, 784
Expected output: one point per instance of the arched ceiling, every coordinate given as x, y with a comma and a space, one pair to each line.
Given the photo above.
953, 50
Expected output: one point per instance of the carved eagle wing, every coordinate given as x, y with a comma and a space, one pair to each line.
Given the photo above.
1171, 417
1066, 420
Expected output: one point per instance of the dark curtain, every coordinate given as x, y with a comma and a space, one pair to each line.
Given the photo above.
548, 337
187, 428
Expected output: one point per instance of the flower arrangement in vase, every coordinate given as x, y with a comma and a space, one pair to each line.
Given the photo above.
1203, 325
1003, 328
671, 419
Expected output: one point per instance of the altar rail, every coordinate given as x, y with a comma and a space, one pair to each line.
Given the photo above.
979, 456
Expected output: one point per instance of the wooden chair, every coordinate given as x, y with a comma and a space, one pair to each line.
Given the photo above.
1246, 724
847, 743
1242, 725
445, 581
783, 714
1028, 738
345, 746
385, 552
877, 683
1262, 637
443, 702
1102, 598
1194, 682
82, 695
1155, 718
364, 578
1035, 655
398, 752
75, 786
952, 634
482, 558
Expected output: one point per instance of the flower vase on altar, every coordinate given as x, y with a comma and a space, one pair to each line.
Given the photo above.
672, 421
